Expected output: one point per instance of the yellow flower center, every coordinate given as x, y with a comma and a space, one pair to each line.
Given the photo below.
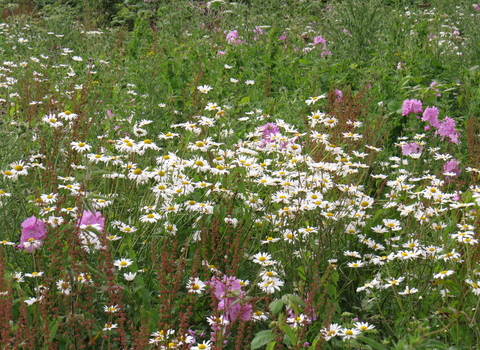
18, 168
147, 141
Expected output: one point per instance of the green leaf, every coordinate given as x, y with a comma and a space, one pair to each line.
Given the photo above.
53, 330
245, 100
291, 335
271, 345
262, 338
394, 106
276, 306
372, 343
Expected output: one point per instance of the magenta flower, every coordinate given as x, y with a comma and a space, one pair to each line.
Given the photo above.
410, 148
411, 106
283, 37
452, 167
89, 218
231, 297
258, 30
476, 7
33, 234
232, 36
431, 115
268, 130
447, 129
319, 40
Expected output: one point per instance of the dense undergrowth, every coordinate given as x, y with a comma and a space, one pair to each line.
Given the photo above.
207, 175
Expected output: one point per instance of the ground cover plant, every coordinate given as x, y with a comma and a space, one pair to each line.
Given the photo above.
251, 175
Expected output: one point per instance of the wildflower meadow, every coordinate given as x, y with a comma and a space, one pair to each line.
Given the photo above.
271, 174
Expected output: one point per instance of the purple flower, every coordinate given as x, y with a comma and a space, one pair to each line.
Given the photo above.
476, 7
447, 129
410, 148
411, 106
92, 219
319, 40
283, 37
230, 295
258, 30
452, 167
232, 36
33, 232
431, 115
268, 130
346, 32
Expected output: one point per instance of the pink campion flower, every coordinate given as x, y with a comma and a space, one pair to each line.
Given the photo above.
447, 129
231, 297
33, 234
326, 53
258, 30
283, 37
221, 53
476, 7
431, 115
346, 32
339, 94
410, 148
110, 113
411, 106
452, 166
89, 218
232, 36
319, 40
268, 130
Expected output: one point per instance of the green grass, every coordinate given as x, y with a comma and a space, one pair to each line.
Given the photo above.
275, 210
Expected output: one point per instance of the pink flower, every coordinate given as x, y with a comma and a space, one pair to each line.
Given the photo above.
92, 219
346, 32
33, 232
410, 148
476, 7
452, 167
230, 295
411, 106
447, 129
431, 115
283, 37
258, 30
319, 40
232, 36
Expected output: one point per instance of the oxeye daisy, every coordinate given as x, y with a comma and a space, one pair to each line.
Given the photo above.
80, 146
67, 115
121, 263
63, 287
195, 285
110, 326
204, 88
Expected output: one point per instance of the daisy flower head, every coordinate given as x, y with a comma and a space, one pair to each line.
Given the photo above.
348, 333
363, 326
206, 345
67, 115
443, 274
121, 263
80, 146
263, 259
408, 291
52, 120
331, 331
129, 276
63, 287
110, 326
204, 88
312, 100
195, 285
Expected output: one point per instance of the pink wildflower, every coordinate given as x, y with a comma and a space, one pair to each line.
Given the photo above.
33, 232
410, 148
411, 106
452, 167
431, 115
92, 219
